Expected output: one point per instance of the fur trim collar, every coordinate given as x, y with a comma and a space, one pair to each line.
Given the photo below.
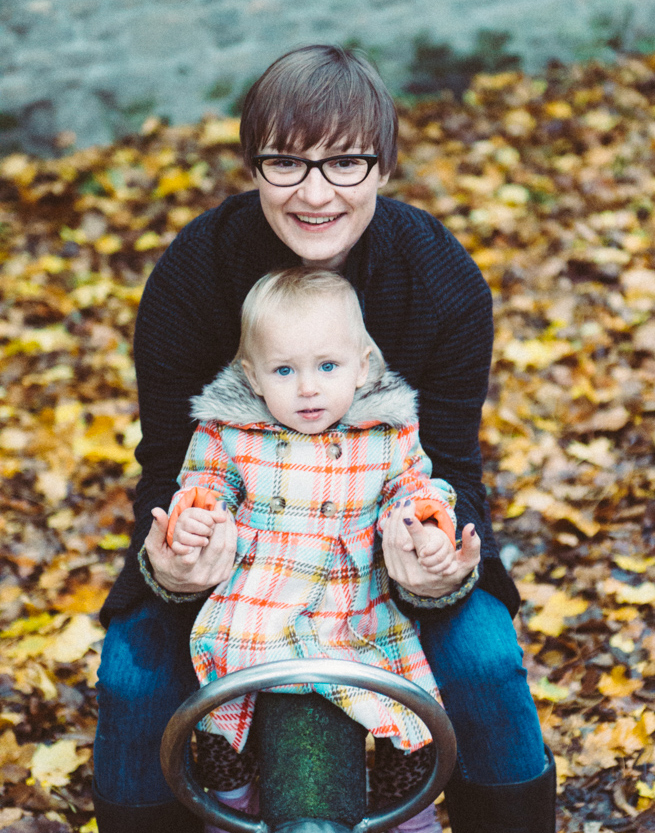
230, 399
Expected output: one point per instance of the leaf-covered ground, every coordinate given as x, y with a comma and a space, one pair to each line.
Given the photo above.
550, 184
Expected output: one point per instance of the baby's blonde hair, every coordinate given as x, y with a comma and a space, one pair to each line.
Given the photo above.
299, 285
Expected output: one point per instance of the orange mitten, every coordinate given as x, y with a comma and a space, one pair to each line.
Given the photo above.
198, 496
431, 509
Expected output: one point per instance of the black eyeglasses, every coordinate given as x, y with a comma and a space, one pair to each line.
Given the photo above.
343, 170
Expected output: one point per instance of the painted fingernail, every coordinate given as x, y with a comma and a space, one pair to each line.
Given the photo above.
223, 506
407, 502
396, 504
472, 532
408, 521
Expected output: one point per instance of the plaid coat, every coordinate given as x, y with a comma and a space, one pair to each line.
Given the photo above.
309, 580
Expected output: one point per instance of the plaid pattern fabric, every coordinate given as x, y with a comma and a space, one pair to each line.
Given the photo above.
309, 580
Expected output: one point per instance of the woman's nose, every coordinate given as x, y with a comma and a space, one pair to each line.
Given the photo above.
315, 189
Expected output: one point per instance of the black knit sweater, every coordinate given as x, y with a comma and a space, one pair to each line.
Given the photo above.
424, 302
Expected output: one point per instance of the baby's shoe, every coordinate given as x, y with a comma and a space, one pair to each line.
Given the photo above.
244, 798
424, 822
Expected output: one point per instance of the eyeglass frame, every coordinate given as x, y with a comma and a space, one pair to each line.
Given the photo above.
371, 160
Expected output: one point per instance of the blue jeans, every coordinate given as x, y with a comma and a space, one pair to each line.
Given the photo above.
146, 673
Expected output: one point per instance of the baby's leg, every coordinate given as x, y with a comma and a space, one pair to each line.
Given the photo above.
229, 774
395, 775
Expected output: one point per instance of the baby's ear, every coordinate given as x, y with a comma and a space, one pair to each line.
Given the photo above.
251, 376
364, 367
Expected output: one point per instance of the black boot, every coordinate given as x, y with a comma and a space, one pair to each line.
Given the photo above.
168, 817
524, 807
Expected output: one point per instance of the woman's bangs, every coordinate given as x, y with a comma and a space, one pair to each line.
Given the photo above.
331, 121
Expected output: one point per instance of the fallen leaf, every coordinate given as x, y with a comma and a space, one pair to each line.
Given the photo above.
74, 641
559, 607
53, 765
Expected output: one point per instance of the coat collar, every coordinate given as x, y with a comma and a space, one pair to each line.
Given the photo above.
230, 399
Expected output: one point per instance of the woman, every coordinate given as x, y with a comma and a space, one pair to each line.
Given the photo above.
429, 310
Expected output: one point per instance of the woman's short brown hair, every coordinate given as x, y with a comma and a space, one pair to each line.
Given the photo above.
320, 95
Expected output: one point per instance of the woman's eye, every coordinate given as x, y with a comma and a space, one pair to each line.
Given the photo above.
282, 164
285, 370
347, 163
326, 367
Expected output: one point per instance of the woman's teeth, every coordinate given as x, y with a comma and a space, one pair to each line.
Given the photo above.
316, 221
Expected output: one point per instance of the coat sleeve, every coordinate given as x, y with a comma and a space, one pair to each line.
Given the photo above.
208, 475
409, 478
207, 465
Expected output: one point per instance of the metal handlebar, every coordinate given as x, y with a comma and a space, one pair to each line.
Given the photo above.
175, 753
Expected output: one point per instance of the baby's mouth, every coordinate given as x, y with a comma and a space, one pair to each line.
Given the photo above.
311, 413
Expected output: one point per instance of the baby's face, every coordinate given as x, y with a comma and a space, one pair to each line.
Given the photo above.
307, 364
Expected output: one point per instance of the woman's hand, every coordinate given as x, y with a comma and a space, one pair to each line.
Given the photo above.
419, 561
200, 569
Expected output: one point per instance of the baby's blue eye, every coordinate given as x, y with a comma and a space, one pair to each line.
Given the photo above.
285, 370
326, 367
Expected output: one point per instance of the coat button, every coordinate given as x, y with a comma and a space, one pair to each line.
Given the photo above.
328, 509
334, 451
278, 504
282, 448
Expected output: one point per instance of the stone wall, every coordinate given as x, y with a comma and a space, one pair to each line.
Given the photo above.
97, 68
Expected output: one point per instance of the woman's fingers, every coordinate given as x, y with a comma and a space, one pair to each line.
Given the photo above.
469, 555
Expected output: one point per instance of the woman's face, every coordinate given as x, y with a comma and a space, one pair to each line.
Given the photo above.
320, 222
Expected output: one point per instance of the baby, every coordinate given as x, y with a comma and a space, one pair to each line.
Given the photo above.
307, 449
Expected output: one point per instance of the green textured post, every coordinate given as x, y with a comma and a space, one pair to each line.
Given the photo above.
312, 759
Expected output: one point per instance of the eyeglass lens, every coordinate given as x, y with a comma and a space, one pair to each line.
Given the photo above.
344, 170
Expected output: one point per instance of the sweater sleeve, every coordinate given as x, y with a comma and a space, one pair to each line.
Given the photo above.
454, 324
182, 338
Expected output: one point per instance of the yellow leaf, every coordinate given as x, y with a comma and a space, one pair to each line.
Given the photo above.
645, 791
623, 643
633, 564
108, 244
90, 827
597, 452
87, 598
513, 194
173, 181
644, 593
220, 132
536, 353
616, 684
149, 240
53, 765
559, 109
99, 443
29, 646
61, 520
13, 753
29, 625
600, 119
545, 690
74, 641
114, 542
51, 264
45, 340
628, 735
563, 768
53, 485
557, 609
596, 748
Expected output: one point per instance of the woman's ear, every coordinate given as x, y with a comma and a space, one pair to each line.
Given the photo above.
364, 368
251, 376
